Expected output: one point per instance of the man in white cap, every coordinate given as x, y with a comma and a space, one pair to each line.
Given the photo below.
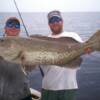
59, 83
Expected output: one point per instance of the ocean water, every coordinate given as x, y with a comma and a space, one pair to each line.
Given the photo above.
85, 24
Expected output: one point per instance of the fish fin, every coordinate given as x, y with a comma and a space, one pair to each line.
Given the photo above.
74, 63
18, 56
26, 66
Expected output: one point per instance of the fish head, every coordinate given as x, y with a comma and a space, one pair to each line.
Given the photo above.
8, 48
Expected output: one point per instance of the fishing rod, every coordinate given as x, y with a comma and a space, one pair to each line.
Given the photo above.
21, 18
42, 73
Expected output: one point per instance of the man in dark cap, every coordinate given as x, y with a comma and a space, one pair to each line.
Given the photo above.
12, 27
13, 75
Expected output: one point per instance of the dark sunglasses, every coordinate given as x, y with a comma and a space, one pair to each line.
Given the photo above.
54, 19
12, 24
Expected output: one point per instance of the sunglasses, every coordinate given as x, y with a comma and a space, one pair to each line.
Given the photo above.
54, 19
12, 24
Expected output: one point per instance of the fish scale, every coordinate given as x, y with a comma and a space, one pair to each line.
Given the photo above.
45, 50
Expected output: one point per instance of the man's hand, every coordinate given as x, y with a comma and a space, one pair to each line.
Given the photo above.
88, 50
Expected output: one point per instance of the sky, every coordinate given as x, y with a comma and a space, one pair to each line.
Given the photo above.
48, 5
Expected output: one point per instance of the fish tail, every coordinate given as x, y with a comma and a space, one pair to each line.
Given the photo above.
94, 41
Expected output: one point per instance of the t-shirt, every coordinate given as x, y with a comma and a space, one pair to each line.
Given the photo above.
60, 78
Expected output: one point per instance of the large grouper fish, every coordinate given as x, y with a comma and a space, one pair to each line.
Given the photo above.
45, 50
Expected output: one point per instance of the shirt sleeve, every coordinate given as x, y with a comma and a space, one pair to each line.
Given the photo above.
78, 38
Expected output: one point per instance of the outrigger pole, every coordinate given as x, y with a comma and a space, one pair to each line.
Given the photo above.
21, 18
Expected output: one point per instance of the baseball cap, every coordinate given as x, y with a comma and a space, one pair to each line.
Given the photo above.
54, 13
13, 22
54, 16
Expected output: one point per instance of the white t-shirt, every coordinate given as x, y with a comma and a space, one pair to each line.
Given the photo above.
57, 78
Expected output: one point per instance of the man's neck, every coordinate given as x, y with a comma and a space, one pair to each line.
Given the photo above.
57, 33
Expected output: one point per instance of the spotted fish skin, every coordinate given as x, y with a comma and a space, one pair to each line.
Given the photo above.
45, 50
